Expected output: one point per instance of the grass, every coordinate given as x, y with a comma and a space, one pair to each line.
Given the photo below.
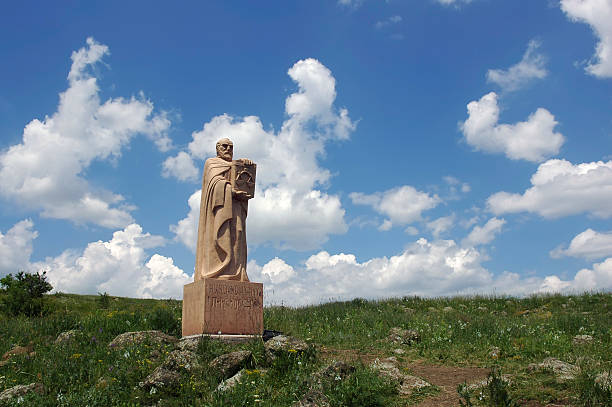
460, 331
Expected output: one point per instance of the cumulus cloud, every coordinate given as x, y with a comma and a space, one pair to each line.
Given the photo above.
529, 68
389, 21
588, 244
441, 225
424, 268
181, 167
484, 234
16, 247
401, 205
46, 170
560, 188
597, 14
531, 140
119, 266
290, 208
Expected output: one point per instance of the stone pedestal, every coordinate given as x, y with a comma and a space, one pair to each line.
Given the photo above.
213, 306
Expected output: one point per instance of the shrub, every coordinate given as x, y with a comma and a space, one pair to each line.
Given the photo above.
163, 319
104, 300
23, 293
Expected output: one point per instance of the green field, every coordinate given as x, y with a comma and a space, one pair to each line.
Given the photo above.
461, 339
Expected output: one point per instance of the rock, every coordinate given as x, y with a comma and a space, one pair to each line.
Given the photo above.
17, 350
404, 336
407, 383
21, 390
66, 337
335, 371
604, 380
506, 378
231, 382
130, 338
190, 343
399, 351
312, 398
283, 344
230, 363
563, 371
448, 309
181, 360
582, 340
494, 352
409, 311
481, 308
161, 377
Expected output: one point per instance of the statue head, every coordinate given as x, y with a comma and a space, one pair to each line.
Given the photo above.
225, 149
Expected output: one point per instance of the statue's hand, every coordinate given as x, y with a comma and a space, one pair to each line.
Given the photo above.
241, 195
246, 161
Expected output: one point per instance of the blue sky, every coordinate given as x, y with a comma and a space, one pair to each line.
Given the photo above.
437, 147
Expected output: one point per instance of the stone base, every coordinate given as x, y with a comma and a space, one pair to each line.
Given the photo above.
213, 306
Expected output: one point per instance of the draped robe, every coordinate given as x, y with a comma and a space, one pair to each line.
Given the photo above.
221, 251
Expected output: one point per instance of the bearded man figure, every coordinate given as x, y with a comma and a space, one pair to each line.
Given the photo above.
221, 252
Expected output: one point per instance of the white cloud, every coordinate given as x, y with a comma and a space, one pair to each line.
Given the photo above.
181, 167
599, 278
412, 231
484, 234
424, 268
441, 225
45, 171
389, 21
560, 188
118, 266
597, 14
402, 205
588, 244
16, 247
531, 140
453, 2
530, 67
385, 226
186, 230
289, 209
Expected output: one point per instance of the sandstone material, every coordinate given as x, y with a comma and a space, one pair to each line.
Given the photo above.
231, 382
404, 336
21, 390
407, 383
230, 363
161, 377
582, 340
214, 306
66, 337
282, 344
563, 371
131, 338
227, 186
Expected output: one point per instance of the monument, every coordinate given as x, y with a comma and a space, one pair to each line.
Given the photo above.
222, 300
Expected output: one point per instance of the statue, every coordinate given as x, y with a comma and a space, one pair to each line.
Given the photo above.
227, 186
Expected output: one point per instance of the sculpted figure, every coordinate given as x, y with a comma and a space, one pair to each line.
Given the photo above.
222, 250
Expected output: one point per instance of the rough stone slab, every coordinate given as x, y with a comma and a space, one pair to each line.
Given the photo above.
130, 338
21, 390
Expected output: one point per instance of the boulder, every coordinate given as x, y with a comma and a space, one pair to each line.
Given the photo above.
161, 377
563, 371
66, 337
230, 363
604, 380
283, 344
231, 382
179, 360
190, 343
131, 338
404, 336
312, 398
18, 350
406, 383
21, 390
582, 340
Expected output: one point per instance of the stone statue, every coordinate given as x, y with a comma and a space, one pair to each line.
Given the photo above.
227, 186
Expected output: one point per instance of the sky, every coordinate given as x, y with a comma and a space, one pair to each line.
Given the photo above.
428, 148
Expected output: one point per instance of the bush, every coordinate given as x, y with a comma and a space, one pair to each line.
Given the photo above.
163, 319
23, 293
104, 300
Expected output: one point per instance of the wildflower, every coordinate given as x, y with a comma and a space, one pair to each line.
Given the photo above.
100, 360
76, 355
153, 390
292, 350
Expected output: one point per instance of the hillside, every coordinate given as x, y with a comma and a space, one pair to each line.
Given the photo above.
542, 350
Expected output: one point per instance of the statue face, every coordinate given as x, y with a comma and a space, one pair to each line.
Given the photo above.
225, 150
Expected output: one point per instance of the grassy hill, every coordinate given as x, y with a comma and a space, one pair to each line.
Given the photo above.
460, 341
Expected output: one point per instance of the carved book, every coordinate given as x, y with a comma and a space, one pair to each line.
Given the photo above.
243, 177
